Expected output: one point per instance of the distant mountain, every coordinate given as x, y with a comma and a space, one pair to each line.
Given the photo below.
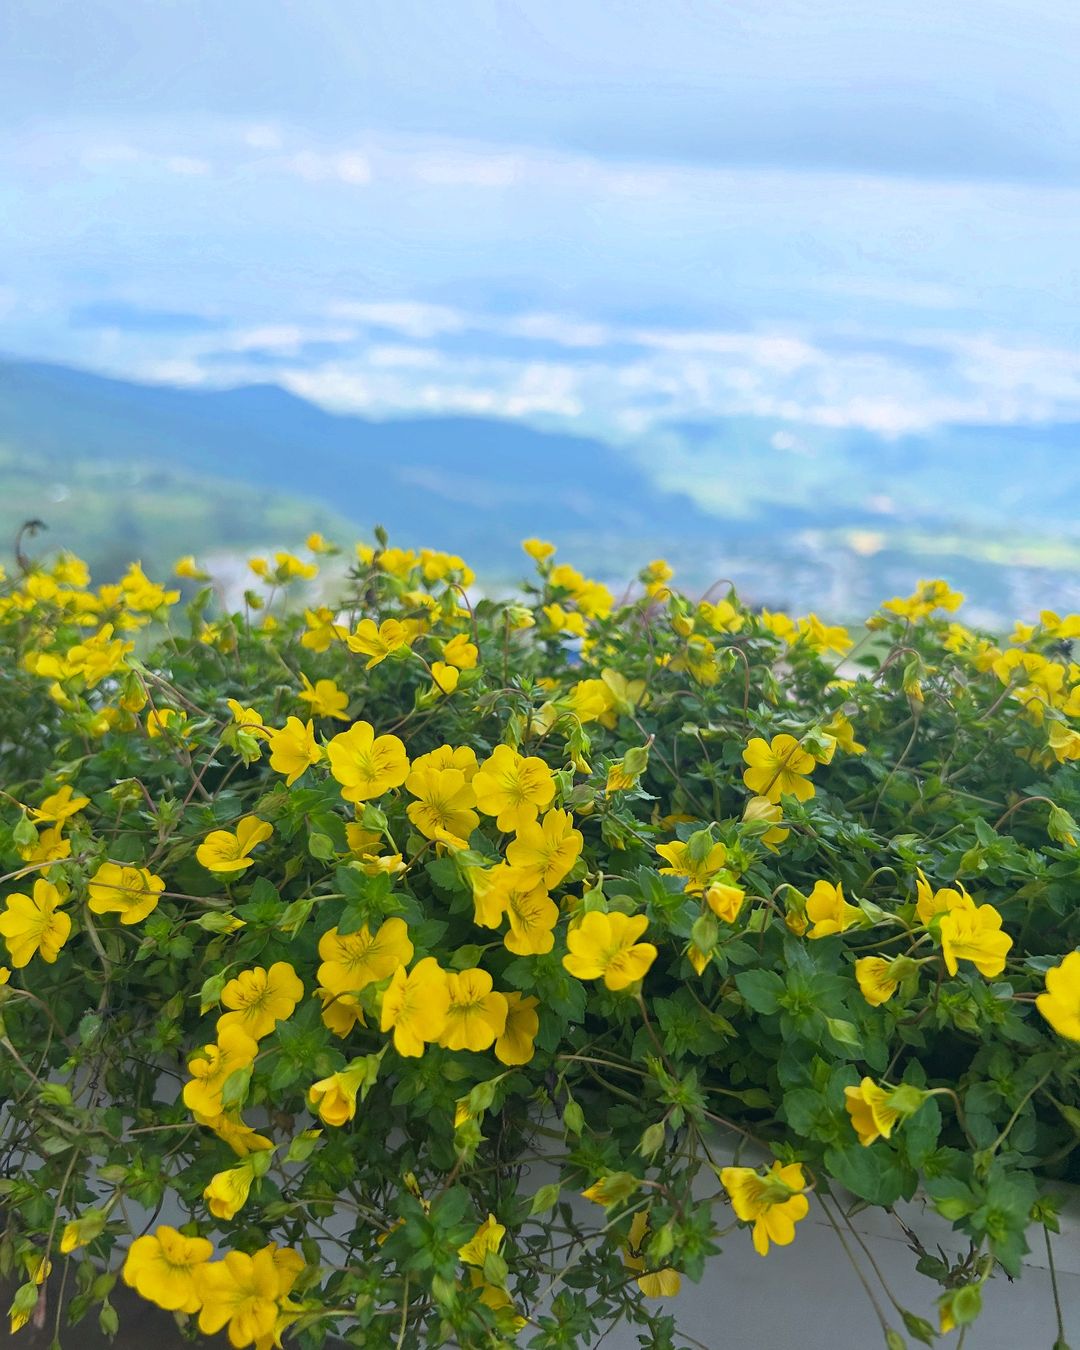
970, 477
797, 516
473, 485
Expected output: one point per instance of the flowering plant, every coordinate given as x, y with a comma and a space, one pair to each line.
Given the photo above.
405, 967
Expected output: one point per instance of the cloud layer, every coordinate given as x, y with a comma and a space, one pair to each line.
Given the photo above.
402, 273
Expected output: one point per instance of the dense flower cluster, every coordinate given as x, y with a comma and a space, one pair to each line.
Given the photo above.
332, 921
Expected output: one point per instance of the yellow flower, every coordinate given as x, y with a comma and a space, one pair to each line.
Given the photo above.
928, 596
664, 1283
723, 616
261, 999
567, 621
120, 888
60, 805
871, 1115
828, 911
211, 1066
761, 809
289, 566
352, 961
878, 977
460, 652
366, 765
547, 849
293, 749
780, 625
477, 1012
620, 776
1064, 742
335, 1097
78, 1232
461, 757
166, 720
444, 678
189, 568
486, 1240
974, 935
592, 701
532, 915
491, 887
697, 958
444, 807
774, 1203
778, 769
513, 788
494, 1297
226, 1192
698, 871
340, 1012
725, 901
824, 637
164, 1267
240, 1292
231, 1130
223, 852
247, 718
367, 845
140, 593
33, 925
322, 630
1060, 1005
399, 562
415, 1005
843, 733
316, 543
378, 641
324, 698
931, 903
515, 1044
538, 549
50, 846
606, 945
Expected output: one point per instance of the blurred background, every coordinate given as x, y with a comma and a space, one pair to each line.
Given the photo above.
784, 291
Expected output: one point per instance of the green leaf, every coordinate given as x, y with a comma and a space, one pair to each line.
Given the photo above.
919, 1327
235, 1088
547, 1197
320, 846
762, 989
846, 1033
652, 1139
870, 1173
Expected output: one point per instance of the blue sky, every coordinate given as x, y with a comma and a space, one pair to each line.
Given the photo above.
613, 214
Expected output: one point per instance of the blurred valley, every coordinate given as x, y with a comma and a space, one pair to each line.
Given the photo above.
795, 516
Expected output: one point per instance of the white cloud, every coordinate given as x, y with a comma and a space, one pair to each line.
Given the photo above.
412, 318
344, 166
109, 155
458, 169
773, 352
390, 357
558, 328
284, 338
262, 136
187, 166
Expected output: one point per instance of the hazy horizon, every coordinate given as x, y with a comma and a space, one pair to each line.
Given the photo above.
610, 219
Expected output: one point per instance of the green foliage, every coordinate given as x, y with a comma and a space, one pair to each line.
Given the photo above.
760, 806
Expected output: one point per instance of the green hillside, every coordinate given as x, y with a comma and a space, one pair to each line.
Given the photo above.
110, 512
118, 469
